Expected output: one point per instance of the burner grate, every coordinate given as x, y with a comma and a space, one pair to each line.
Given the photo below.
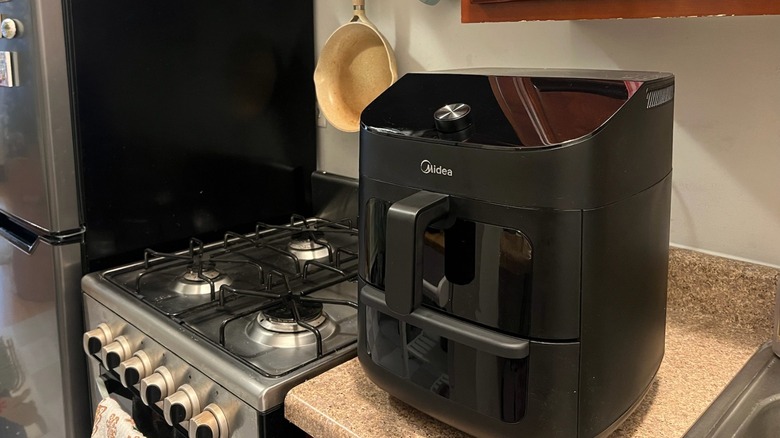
199, 265
294, 303
199, 268
244, 274
283, 314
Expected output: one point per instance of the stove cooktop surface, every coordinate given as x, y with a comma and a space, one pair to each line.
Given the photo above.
276, 300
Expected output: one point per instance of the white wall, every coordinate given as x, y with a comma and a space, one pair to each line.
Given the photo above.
726, 189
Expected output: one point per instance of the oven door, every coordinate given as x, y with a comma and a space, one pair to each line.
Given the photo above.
148, 420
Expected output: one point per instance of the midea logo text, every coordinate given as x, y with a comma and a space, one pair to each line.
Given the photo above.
426, 167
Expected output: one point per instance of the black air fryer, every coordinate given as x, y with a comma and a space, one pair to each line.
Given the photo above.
514, 239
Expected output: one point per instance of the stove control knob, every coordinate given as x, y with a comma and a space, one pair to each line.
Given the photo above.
157, 386
116, 352
134, 369
95, 340
181, 405
10, 28
211, 423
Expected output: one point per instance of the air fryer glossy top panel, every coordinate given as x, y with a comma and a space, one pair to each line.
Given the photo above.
509, 108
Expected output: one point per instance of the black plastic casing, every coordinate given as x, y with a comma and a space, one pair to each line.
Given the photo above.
596, 209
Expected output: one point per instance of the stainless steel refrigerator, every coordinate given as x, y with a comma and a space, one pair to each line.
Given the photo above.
129, 127
40, 255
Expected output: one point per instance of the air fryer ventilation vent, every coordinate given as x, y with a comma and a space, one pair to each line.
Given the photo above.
660, 96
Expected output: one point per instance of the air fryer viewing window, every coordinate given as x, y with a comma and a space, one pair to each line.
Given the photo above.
476, 271
506, 111
460, 263
491, 385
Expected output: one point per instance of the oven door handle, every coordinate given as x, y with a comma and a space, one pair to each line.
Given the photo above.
108, 385
100, 383
407, 220
471, 335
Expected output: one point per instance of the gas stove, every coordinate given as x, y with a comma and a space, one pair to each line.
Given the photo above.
211, 338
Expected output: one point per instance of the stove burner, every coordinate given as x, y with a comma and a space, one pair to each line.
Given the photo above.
307, 248
284, 332
281, 318
192, 274
191, 283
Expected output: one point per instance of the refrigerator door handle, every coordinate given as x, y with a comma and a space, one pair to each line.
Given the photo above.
19, 236
25, 236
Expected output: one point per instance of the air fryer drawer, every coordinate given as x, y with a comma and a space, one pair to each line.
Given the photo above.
469, 374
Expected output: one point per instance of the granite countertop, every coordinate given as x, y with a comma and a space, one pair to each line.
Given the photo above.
719, 312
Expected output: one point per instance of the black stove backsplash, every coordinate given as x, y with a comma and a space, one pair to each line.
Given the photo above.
334, 197
190, 121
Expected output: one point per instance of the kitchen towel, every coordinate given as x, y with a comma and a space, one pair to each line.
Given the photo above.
111, 421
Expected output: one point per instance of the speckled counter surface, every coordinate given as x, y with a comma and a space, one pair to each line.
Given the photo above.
719, 312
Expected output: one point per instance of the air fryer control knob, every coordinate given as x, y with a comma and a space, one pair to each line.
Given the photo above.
181, 405
452, 118
94, 340
157, 386
211, 423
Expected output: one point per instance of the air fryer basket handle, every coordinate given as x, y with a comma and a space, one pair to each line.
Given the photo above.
469, 334
406, 223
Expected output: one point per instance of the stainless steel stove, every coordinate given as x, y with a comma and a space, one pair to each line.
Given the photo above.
206, 342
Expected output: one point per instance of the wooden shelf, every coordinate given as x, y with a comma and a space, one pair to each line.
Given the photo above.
477, 11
